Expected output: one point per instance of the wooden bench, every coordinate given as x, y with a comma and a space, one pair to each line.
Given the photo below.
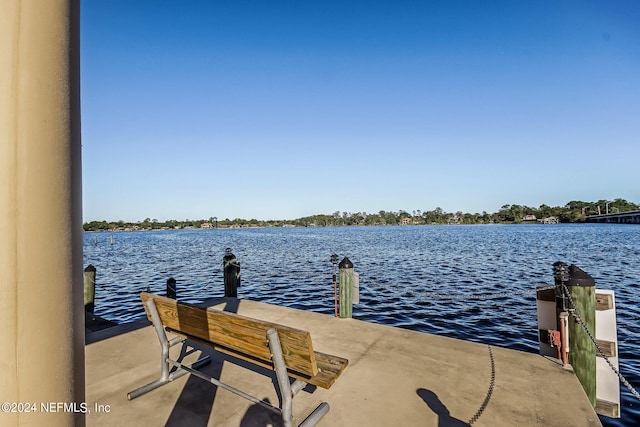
288, 351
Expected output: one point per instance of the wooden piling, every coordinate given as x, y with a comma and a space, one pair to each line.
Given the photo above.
172, 288
563, 326
347, 278
334, 261
231, 268
582, 350
561, 277
89, 289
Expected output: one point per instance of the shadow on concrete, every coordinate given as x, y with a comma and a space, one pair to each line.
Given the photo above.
198, 396
92, 336
196, 399
444, 417
257, 416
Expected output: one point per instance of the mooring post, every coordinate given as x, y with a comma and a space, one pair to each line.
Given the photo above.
231, 268
172, 288
561, 278
563, 325
89, 289
347, 278
334, 261
582, 350
578, 297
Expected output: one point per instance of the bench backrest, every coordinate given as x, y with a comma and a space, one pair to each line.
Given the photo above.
242, 336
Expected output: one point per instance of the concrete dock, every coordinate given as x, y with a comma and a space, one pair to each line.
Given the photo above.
395, 377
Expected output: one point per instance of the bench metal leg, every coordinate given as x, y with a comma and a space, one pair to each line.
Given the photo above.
227, 387
165, 344
282, 376
288, 390
162, 381
316, 415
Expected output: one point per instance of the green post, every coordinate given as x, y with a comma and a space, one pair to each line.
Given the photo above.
346, 273
231, 268
582, 350
89, 289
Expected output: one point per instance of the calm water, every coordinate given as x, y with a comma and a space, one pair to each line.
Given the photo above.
407, 276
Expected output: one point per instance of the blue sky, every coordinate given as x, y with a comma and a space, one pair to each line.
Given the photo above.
279, 110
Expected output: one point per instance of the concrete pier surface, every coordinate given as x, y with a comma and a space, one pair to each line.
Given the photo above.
395, 377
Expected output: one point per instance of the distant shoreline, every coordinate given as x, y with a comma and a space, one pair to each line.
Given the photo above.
572, 212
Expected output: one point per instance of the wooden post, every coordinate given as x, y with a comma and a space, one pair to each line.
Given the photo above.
334, 261
172, 288
89, 289
561, 276
345, 270
563, 325
231, 268
582, 350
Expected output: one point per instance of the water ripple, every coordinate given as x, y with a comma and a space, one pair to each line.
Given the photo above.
407, 276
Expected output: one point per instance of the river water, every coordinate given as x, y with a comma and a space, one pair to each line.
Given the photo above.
469, 282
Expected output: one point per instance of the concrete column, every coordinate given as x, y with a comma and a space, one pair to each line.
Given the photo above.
41, 286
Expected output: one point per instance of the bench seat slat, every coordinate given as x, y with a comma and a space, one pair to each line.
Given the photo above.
237, 333
329, 367
247, 339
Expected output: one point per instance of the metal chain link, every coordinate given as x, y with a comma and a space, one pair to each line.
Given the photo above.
492, 383
574, 311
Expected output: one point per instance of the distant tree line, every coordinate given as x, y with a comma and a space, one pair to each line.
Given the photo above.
572, 212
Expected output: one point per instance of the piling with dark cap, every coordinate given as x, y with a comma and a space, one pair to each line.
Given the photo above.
231, 268
347, 278
172, 288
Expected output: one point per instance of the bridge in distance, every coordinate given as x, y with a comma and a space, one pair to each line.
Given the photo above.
629, 217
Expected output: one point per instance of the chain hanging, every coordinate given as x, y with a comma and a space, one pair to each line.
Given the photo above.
492, 383
574, 312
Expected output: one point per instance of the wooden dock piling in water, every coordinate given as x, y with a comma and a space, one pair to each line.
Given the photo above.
89, 289
347, 278
231, 268
172, 288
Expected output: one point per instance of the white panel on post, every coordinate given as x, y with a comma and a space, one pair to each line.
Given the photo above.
607, 381
547, 321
